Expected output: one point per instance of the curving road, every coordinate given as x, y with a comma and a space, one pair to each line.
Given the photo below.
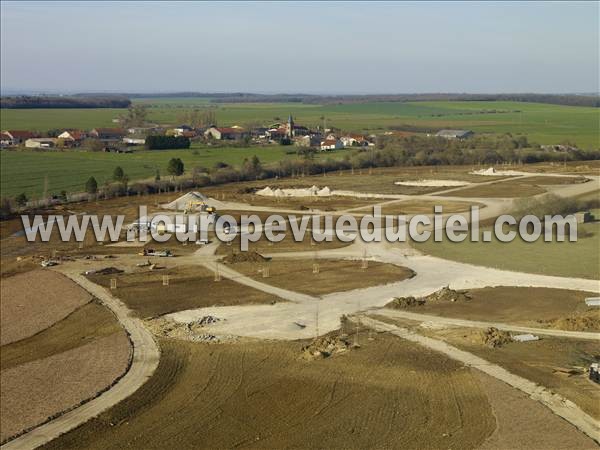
144, 362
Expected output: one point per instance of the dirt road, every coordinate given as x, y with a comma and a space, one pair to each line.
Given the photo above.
393, 313
145, 360
558, 404
280, 321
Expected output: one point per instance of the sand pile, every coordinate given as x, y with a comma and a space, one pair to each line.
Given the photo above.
249, 256
295, 192
432, 183
494, 338
326, 346
182, 202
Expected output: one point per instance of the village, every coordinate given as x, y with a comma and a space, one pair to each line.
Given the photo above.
124, 139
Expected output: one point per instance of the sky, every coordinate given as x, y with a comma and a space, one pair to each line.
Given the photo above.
300, 47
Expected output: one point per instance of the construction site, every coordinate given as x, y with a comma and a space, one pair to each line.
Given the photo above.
142, 344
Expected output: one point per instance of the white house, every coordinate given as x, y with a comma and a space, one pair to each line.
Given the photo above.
331, 144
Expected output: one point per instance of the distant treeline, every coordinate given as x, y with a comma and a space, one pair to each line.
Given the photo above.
240, 97
59, 102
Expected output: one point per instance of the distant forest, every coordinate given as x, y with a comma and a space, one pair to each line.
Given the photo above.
58, 102
240, 97
97, 100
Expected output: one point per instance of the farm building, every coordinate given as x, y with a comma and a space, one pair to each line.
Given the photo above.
225, 133
72, 138
40, 143
454, 134
16, 137
308, 141
108, 134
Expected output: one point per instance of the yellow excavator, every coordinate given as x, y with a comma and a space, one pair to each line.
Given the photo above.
203, 207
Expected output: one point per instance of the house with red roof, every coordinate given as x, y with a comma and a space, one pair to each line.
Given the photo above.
16, 137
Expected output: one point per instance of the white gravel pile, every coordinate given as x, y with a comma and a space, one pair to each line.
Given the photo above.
432, 183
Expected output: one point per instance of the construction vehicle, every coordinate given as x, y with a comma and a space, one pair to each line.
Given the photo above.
203, 207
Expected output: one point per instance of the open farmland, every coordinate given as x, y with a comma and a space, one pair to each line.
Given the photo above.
261, 394
542, 123
25, 171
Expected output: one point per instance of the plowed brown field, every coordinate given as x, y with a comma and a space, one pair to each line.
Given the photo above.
386, 394
31, 302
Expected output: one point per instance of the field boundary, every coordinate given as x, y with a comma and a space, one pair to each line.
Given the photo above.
144, 361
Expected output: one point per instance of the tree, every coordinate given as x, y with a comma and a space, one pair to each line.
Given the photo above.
118, 174
175, 167
136, 116
91, 185
21, 199
166, 142
157, 176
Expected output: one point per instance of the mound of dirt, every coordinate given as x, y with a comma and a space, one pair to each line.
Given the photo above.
448, 295
405, 302
443, 295
108, 271
587, 322
193, 331
249, 256
326, 346
495, 338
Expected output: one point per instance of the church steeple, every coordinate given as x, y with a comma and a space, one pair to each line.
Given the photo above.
290, 126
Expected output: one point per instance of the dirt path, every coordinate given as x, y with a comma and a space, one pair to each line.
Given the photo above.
394, 313
558, 404
145, 360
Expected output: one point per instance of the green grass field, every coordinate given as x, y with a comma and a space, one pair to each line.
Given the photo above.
25, 171
541, 123
565, 259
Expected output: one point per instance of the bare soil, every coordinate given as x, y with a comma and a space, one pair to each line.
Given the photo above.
33, 301
190, 287
539, 307
522, 424
264, 395
558, 364
288, 244
85, 324
33, 391
507, 189
333, 276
